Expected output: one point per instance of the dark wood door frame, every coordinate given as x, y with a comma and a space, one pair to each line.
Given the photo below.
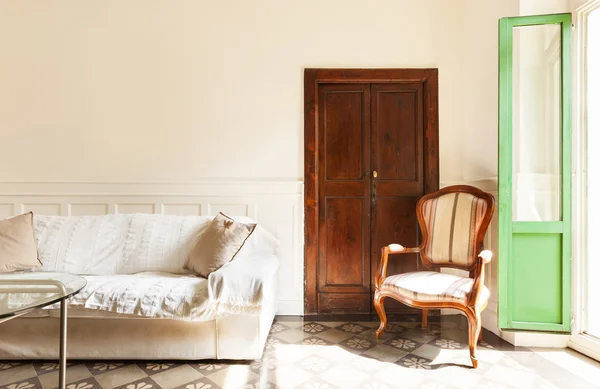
312, 79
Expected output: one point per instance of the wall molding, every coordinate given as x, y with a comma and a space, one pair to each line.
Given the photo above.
149, 188
277, 205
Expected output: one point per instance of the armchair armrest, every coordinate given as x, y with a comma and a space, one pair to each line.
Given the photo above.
393, 248
486, 256
243, 285
483, 258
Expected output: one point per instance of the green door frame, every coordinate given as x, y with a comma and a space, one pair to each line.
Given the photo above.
508, 293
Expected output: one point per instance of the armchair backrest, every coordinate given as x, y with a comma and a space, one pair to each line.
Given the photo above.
453, 221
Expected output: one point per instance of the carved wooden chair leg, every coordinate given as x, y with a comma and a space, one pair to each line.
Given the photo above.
474, 319
378, 302
424, 318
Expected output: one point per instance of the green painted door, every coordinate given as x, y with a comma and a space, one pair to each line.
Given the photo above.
534, 147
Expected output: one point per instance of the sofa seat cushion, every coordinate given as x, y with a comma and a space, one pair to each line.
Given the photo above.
428, 286
147, 294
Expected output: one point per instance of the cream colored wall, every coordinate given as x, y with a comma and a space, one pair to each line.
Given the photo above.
541, 7
149, 90
190, 90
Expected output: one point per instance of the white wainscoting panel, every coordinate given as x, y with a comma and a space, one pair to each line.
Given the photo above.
7, 210
88, 209
275, 205
42, 208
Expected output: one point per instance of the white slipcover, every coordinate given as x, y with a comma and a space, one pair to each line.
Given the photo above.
133, 264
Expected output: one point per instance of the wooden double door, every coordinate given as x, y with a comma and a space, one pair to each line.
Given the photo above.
375, 153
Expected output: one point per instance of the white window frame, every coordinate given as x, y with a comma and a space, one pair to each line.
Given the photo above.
580, 341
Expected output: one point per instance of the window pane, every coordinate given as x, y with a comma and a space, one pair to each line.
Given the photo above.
593, 173
536, 123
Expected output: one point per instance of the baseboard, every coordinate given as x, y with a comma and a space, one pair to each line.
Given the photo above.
535, 339
290, 308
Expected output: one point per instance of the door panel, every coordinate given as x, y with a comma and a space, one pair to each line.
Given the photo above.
396, 121
343, 131
344, 198
354, 125
534, 250
397, 157
344, 302
344, 246
537, 256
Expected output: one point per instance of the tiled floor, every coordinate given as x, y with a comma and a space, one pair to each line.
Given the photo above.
334, 355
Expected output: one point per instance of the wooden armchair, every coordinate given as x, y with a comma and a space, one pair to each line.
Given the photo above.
453, 224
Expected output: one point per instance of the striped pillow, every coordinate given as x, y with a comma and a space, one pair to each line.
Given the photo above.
452, 222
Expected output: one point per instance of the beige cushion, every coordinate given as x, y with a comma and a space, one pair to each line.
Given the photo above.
18, 250
218, 244
453, 221
433, 286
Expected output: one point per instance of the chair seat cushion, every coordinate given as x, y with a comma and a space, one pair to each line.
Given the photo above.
428, 286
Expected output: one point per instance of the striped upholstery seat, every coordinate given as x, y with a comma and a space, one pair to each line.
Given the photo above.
432, 286
452, 222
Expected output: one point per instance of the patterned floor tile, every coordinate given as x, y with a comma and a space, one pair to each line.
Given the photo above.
314, 364
155, 367
208, 368
119, 377
448, 344
201, 383
87, 383
47, 367
392, 374
75, 373
145, 383
273, 343
267, 363
412, 361
292, 335
353, 328
329, 355
236, 376
344, 376
338, 354
403, 344
30, 383
367, 364
258, 384
103, 366
334, 335
316, 383
431, 384
385, 353
16, 373
357, 344
465, 378
177, 376
418, 335
315, 328
511, 377
278, 327
288, 376
371, 334
315, 341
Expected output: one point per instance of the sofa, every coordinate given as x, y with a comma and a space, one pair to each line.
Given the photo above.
139, 301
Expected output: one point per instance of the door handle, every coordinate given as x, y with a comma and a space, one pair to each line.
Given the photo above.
374, 173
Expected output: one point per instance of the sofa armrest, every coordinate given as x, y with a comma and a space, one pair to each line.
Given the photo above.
244, 284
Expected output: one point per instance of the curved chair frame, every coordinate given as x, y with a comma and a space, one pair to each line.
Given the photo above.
472, 309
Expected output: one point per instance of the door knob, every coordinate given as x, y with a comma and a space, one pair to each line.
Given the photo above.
374, 173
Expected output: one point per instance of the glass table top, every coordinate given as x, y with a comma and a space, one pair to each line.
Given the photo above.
23, 292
